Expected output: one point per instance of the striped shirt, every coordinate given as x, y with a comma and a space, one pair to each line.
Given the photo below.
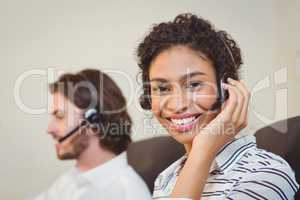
239, 171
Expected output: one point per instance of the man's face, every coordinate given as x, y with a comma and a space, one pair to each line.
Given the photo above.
65, 117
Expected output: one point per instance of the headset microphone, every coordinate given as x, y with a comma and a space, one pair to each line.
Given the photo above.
91, 116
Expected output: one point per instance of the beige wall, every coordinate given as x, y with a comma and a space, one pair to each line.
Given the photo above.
71, 35
288, 52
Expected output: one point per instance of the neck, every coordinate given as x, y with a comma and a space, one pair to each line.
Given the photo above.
93, 156
188, 147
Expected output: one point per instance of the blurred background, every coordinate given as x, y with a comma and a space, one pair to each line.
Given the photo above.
41, 39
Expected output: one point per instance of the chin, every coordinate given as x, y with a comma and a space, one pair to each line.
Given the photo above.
67, 155
69, 152
182, 137
73, 149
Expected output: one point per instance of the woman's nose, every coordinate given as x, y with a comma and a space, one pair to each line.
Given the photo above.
177, 102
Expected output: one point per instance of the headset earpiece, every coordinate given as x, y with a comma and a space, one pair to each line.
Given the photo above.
92, 116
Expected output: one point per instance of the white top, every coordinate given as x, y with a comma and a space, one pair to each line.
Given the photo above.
113, 180
240, 171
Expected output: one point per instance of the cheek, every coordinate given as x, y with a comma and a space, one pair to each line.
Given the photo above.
71, 121
156, 105
157, 108
205, 99
62, 128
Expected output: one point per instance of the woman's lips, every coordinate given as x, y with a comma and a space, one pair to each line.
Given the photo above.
183, 123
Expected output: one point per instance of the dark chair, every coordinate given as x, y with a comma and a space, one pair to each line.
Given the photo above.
150, 157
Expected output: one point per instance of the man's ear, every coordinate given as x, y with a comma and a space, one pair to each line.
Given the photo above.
94, 129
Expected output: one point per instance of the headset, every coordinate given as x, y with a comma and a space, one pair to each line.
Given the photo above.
223, 94
91, 116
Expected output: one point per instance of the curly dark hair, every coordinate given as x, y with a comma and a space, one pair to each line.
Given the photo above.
115, 123
193, 32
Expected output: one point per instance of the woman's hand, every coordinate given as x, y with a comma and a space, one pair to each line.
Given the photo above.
211, 139
229, 122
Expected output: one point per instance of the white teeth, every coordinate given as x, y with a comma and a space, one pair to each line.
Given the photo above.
183, 121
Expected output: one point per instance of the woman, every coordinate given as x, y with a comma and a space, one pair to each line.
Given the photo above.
183, 65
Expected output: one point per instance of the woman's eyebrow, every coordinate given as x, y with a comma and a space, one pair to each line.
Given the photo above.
182, 78
159, 80
190, 75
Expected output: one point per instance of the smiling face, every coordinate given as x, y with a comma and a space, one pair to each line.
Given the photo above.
183, 90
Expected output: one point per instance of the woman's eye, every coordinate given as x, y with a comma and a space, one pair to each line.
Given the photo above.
161, 89
194, 85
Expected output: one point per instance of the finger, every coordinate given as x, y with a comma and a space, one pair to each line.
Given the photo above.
229, 127
236, 118
237, 110
243, 118
230, 104
244, 113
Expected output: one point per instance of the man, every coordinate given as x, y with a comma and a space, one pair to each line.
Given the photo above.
98, 146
